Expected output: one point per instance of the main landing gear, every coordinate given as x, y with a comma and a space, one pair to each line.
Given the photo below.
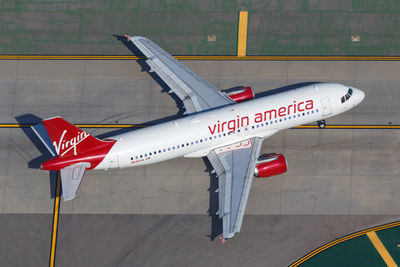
321, 124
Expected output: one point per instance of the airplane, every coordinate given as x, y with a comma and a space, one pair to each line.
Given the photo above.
228, 128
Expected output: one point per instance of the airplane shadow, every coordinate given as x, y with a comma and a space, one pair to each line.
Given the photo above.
45, 154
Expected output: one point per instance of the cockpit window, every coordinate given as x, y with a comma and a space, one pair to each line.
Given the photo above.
350, 91
347, 96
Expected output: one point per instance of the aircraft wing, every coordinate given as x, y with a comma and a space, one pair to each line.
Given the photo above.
234, 166
196, 93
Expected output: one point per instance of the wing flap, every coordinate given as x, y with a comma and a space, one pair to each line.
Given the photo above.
235, 170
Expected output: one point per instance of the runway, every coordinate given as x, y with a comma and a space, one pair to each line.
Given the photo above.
339, 180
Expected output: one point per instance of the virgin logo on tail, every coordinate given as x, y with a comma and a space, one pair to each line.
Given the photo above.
66, 146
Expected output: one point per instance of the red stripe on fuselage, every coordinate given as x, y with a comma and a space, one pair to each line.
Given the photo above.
94, 157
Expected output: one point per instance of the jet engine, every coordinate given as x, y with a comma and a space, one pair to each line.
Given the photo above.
241, 94
270, 165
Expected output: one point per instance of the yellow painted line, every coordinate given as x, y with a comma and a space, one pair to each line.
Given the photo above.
56, 214
17, 125
242, 35
381, 249
342, 239
66, 57
14, 125
267, 58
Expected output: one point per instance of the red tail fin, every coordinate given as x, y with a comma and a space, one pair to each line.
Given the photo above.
69, 140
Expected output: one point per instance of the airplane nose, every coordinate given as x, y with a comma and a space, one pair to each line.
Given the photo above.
360, 95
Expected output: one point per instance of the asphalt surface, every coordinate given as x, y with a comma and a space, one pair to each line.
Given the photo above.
339, 181
277, 27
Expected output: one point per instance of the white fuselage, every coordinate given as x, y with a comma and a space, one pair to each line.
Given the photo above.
195, 135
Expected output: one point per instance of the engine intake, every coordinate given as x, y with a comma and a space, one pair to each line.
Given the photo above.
270, 165
241, 94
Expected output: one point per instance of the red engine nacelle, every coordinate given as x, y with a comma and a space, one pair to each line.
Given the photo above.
270, 165
241, 94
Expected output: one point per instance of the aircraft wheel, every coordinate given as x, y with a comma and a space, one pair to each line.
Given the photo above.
321, 124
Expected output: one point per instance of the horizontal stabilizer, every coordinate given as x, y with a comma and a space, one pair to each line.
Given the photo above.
71, 178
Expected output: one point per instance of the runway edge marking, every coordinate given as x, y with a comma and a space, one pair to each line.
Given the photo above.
343, 239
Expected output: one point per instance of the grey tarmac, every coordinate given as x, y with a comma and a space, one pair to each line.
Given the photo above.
339, 181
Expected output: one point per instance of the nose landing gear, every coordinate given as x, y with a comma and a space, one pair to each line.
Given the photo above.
321, 124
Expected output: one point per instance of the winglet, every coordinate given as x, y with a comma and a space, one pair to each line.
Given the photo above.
128, 37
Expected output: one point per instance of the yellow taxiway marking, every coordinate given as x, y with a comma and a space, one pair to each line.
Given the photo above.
56, 214
242, 34
381, 249
17, 125
267, 58
342, 239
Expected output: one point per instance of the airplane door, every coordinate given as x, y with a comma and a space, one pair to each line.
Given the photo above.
326, 106
113, 159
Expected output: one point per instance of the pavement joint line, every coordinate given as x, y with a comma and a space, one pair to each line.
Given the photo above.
381, 249
56, 213
17, 125
242, 34
342, 239
255, 58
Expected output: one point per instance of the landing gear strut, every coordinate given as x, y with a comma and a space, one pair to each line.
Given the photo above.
321, 124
